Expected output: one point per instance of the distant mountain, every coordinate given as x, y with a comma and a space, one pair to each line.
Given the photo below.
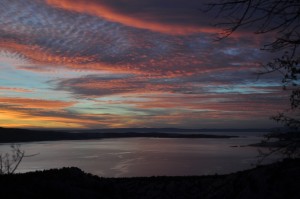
276, 181
10, 135
172, 130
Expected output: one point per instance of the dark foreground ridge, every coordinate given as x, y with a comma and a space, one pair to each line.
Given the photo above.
9, 135
275, 181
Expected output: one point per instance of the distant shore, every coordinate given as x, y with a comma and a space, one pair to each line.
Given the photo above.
10, 135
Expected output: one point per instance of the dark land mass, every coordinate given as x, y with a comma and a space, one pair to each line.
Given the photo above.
11, 135
276, 181
178, 130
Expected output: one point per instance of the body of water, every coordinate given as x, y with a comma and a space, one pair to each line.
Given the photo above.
129, 157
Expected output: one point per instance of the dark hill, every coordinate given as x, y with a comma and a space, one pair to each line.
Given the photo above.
275, 181
10, 135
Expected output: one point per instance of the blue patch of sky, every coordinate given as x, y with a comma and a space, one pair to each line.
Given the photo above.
91, 107
237, 89
37, 82
244, 88
231, 51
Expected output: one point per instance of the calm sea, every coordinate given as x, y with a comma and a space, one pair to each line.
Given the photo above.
128, 157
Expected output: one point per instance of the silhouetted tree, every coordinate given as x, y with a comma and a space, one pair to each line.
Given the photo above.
280, 20
9, 162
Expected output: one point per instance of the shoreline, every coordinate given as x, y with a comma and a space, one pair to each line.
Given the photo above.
24, 135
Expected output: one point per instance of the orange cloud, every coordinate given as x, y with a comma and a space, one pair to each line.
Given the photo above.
159, 67
19, 118
21, 90
35, 103
101, 10
14, 118
10, 117
38, 54
25, 112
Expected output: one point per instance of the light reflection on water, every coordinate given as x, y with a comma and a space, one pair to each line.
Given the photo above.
127, 157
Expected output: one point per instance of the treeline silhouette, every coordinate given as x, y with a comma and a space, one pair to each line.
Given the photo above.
10, 135
276, 181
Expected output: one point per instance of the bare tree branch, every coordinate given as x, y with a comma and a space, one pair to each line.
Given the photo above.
280, 19
10, 162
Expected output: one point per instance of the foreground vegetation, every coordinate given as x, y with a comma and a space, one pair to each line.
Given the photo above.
278, 180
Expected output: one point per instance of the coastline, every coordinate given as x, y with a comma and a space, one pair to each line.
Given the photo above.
24, 135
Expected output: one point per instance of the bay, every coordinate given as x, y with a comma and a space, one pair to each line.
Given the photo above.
133, 157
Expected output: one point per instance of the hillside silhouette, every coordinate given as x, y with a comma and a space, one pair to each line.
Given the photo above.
276, 181
9, 135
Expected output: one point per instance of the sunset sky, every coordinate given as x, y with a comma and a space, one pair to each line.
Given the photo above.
130, 63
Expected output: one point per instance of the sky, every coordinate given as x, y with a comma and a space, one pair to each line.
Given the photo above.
130, 63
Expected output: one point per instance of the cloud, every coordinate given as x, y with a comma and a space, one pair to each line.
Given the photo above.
93, 85
133, 63
171, 17
210, 81
14, 117
80, 41
35, 103
21, 90
27, 112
